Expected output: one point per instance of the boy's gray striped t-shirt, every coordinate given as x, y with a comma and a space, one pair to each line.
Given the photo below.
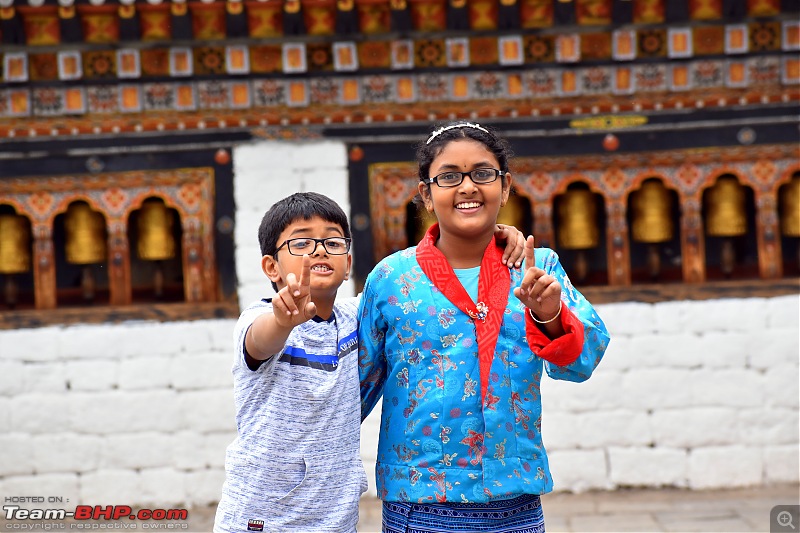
295, 465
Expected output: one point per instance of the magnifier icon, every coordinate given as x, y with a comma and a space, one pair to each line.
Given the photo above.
785, 519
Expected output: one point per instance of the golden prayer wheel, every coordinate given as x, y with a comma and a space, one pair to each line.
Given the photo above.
577, 216
725, 215
15, 250
85, 242
652, 213
156, 240
652, 223
85, 235
577, 227
155, 223
790, 208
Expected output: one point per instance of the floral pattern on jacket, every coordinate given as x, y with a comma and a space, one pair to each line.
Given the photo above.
439, 442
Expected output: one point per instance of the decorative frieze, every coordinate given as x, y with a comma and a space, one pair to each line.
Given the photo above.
533, 84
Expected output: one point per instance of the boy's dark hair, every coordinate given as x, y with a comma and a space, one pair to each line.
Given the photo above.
300, 205
440, 137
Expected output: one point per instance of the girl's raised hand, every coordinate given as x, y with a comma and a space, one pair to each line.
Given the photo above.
292, 305
539, 291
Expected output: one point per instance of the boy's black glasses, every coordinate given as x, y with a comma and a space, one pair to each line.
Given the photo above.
308, 245
479, 176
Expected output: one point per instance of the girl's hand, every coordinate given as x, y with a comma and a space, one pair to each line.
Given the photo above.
292, 305
515, 244
539, 291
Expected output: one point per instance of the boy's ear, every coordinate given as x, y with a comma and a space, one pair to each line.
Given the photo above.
425, 193
270, 267
349, 265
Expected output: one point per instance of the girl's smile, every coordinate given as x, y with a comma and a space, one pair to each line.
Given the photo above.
468, 206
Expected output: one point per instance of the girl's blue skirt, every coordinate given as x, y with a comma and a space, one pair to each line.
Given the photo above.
518, 515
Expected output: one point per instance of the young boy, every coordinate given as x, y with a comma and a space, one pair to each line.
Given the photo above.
295, 465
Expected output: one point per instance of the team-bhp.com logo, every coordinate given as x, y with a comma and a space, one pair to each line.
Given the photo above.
88, 517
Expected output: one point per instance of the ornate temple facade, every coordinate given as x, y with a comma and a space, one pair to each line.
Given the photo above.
683, 113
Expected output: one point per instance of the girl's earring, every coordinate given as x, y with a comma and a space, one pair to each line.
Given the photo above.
427, 202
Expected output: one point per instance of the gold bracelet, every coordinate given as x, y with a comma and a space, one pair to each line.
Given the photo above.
530, 312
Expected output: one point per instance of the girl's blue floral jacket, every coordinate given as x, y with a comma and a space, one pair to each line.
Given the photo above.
439, 441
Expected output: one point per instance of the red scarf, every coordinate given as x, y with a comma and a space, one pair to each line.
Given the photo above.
493, 285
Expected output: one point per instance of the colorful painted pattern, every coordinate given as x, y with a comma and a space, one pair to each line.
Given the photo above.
544, 83
659, 42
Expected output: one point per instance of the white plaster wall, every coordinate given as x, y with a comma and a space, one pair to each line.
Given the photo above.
136, 413
263, 174
690, 394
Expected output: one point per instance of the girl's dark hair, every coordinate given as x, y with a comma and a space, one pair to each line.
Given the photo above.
427, 151
301, 205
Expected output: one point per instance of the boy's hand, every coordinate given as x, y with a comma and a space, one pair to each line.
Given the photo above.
515, 244
292, 305
539, 291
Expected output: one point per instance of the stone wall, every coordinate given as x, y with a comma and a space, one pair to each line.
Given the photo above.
138, 413
691, 394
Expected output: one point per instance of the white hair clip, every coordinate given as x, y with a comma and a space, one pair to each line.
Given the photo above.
454, 126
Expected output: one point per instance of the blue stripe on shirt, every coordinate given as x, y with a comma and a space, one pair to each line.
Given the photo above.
348, 344
298, 356
299, 353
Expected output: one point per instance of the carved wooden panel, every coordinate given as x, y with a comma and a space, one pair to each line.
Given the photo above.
189, 192
689, 173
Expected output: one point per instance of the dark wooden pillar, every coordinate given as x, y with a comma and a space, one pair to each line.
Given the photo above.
770, 264
693, 245
192, 264
119, 265
617, 244
44, 268
543, 224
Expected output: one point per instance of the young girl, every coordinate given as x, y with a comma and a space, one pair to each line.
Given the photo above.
457, 343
